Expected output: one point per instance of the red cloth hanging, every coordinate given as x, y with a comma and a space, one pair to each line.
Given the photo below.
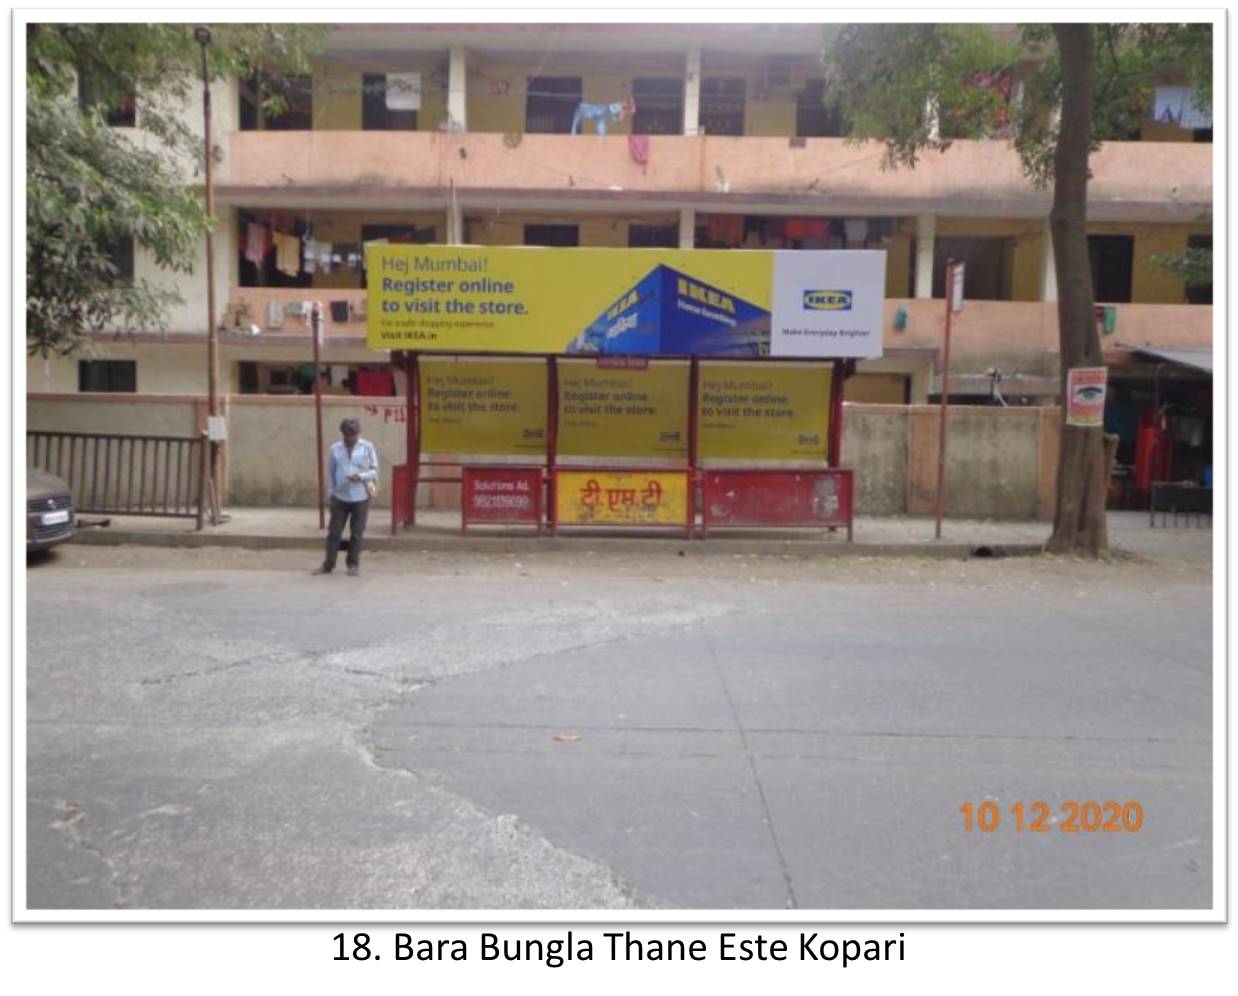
375, 383
638, 148
806, 228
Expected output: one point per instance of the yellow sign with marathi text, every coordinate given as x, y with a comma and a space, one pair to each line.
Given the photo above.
763, 412
621, 498
608, 412
483, 407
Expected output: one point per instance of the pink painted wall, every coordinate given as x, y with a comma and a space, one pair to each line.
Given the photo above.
1146, 181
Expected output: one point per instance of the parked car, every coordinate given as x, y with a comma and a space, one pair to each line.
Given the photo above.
50, 518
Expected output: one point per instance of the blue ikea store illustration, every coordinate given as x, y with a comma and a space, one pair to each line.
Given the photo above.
669, 313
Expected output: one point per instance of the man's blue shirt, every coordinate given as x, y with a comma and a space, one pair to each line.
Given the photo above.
363, 460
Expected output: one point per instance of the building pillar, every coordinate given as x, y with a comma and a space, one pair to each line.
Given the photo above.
455, 219
931, 111
687, 228
457, 93
692, 93
926, 237
1048, 265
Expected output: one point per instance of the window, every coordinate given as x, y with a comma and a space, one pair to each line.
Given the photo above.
659, 106
1176, 105
267, 275
987, 266
111, 376
813, 119
653, 236
1111, 257
376, 111
297, 93
1199, 293
550, 103
551, 235
123, 114
722, 106
120, 252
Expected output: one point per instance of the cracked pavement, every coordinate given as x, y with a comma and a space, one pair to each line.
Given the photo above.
216, 729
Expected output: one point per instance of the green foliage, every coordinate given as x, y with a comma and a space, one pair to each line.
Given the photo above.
1193, 266
91, 186
885, 77
890, 81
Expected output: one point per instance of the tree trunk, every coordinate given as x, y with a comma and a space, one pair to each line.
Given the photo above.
1079, 518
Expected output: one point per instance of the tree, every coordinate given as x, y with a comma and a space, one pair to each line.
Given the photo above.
919, 87
92, 189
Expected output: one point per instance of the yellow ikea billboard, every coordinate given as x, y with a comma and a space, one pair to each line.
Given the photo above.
607, 412
751, 411
625, 302
483, 406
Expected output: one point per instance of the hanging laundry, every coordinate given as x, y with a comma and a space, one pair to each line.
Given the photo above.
725, 229
638, 148
599, 113
287, 254
339, 311
317, 256
404, 91
806, 228
857, 231
376, 383
255, 243
275, 314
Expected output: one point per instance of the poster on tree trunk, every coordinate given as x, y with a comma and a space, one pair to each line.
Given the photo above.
1085, 393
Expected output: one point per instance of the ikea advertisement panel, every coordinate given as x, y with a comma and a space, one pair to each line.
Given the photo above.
626, 302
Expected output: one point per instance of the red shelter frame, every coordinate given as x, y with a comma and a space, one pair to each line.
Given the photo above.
408, 478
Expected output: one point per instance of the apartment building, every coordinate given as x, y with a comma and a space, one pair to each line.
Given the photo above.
708, 136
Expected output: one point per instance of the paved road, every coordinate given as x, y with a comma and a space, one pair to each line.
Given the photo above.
217, 729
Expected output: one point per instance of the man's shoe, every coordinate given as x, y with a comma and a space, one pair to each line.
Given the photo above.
320, 570
354, 572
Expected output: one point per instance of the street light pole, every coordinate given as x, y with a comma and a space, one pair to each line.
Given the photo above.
203, 36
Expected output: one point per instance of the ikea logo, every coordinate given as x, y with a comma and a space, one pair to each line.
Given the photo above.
827, 300
705, 295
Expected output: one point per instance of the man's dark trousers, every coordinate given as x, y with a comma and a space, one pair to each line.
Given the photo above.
342, 511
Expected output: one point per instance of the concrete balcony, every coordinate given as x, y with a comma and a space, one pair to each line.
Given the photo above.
1132, 181
1023, 335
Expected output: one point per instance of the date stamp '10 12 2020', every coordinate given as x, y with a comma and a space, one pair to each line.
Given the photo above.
1069, 817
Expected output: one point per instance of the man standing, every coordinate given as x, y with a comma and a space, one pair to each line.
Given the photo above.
352, 477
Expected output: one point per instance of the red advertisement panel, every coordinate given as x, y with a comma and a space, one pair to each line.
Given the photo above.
778, 498
503, 495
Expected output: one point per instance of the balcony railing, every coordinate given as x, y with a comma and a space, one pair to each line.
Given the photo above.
1147, 181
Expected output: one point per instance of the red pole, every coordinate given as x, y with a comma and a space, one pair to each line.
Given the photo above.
833, 454
317, 321
694, 393
413, 432
945, 401
552, 436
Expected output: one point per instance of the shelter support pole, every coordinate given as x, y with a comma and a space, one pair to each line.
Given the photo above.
694, 394
837, 377
412, 430
552, 437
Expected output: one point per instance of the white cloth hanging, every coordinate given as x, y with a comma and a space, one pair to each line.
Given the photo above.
404, 91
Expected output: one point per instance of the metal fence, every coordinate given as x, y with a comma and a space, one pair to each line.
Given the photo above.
127, 475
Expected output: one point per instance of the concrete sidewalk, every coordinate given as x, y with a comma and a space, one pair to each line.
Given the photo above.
436, 529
